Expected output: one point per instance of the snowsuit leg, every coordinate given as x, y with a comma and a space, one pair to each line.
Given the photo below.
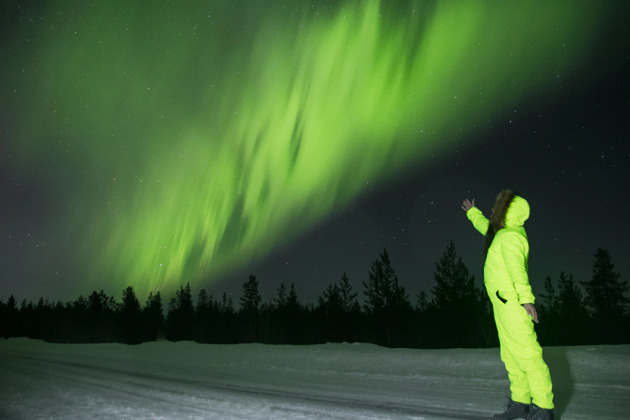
530, 380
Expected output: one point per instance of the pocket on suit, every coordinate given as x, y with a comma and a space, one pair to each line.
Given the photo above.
500, 298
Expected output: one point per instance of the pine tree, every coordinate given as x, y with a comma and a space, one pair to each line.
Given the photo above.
101, 318
280, 300
249, 314
339, 297
205, 321
387, 305
153, 317
548, 330
549, 306
293, 302
227, 325
130, 317
331, 301
455, 286
130, 302
605, 291
348, 296
339, 312
458, 310
422, 301
10, 318
181, 316
382, 290
226, 305
571, 310
203, 301
285, 317
607, 301
75, 321
251, 299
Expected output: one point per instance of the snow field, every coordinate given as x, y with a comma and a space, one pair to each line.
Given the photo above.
164, 380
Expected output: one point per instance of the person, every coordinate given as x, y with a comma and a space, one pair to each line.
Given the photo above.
507, 285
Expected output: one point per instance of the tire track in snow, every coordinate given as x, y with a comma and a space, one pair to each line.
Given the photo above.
145, 385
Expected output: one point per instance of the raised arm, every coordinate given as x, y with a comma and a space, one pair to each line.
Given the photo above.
467, 205
477, 218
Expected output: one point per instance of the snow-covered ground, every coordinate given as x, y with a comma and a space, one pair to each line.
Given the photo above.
186, 380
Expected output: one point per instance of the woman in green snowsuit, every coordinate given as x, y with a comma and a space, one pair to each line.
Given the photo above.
507, 285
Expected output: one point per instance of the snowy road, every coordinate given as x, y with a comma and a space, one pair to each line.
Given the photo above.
350, 381
115, 392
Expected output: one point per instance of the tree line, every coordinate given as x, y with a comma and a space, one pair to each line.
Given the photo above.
456, 313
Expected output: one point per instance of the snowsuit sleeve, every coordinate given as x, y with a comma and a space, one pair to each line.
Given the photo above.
514, 250
478, 220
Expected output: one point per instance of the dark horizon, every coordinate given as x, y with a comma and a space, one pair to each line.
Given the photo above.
455, 313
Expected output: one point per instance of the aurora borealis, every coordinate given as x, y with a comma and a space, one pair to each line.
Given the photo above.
172, 141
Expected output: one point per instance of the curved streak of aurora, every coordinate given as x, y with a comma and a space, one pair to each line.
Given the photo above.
206, 134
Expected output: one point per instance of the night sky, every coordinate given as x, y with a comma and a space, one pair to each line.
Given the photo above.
156, 145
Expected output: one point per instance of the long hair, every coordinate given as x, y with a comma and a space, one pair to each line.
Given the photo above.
497, 218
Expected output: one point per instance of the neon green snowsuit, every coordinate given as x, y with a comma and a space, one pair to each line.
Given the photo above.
507, 284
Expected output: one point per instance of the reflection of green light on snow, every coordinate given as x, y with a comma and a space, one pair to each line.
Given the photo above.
201, 138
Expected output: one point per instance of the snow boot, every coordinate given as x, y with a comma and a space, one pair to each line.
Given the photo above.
538, 413
513, 410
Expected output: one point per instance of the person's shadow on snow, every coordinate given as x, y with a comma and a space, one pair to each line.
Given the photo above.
561, 378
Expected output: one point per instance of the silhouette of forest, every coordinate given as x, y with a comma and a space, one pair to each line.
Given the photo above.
456, 313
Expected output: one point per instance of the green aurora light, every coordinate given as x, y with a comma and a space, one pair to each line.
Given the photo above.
185, 139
